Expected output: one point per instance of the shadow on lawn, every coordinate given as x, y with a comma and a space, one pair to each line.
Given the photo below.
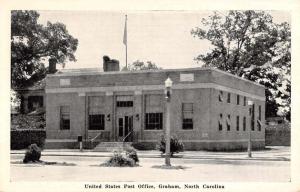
177, 167
32, 164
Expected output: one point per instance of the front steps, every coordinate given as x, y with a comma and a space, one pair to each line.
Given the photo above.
111, 146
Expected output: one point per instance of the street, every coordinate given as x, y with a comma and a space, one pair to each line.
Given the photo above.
265, 166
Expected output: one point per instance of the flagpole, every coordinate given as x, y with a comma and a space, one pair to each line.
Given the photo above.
126, 38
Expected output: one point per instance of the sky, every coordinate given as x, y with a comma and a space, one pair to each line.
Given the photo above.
163, 37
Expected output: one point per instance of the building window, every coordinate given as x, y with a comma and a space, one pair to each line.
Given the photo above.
153, 121
187, 115
228, 122
259, 124
237, 123
252, 117
124, 103
65, 117
220, 122
245, 100
35, 102
96, 118
96, 122
221, 96
228, 97
237, 99
244, 124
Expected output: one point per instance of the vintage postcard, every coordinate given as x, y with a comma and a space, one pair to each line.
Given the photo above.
148, 97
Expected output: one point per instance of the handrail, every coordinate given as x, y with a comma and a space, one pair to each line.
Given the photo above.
126, 136
98, 135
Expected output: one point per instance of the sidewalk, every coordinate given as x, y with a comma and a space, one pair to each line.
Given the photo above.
274, 153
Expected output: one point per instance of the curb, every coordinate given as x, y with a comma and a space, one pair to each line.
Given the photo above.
176, 157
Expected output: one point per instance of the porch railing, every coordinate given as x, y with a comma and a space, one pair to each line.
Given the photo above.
124, 140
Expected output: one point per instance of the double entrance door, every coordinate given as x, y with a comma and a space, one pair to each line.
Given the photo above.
125, 127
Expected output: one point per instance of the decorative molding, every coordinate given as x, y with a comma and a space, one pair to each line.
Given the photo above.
64, 82
138, 92
153, 87
186, 77
109, 93
81, 94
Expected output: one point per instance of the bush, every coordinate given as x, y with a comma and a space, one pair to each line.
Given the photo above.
130, 159
33, 154
278, 135
131, 153
25, 121
21, 139
176, 146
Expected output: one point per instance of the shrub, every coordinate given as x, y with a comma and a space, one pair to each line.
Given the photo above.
21, 139
33, 154
131, 153
119, 160
176, 145
25, 121
130, 159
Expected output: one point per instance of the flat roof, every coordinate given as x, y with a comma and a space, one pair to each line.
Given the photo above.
98, 71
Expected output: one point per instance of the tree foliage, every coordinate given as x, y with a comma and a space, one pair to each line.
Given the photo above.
32, 44
249, 44
140, 65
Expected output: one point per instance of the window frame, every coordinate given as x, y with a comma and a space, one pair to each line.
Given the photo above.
238, 123
98, 125
65, 120
220, 122
259, 126
187, 123
221, 96
228, 122
124, 104
238, 99
244, 123
158, 117
228, 97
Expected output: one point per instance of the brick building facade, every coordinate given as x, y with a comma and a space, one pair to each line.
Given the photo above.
209, 107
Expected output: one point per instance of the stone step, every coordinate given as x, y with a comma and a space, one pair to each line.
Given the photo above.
111, 146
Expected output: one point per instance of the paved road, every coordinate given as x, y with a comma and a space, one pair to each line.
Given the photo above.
269, 166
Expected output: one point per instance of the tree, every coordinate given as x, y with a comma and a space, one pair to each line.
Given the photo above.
32, 44
249, 44
140, 65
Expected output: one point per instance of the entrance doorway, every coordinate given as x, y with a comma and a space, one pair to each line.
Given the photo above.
125, 126
124, 118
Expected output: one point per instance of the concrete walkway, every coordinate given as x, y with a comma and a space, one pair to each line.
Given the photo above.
274, 153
